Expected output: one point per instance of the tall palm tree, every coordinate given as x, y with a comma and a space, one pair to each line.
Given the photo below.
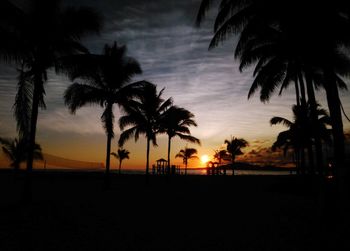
42, 33
121, 155
106, 81
176, 122
247, 17
186, 154
16, 151
233, 147
142, 116
299, 135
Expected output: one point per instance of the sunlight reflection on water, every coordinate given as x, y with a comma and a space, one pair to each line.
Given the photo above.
242, 172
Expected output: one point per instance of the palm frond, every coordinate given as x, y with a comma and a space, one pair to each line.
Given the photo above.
23, 103
280, 120
78, 95
232, 25
127, 134
203, 8
189, 138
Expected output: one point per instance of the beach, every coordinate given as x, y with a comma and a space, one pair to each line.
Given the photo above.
74, 211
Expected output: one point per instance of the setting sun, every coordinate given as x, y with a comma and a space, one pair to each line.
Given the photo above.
204, 159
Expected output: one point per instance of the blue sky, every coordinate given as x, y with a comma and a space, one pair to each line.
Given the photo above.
173, 54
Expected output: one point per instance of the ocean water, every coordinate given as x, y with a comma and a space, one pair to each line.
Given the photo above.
204, 172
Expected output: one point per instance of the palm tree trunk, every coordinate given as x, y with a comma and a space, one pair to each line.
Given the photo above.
302, 90
33, 121
297, 93
120, 166
109, 128
303, 105
147, 157
337, 124
108, 158
315, 127
186, 167
27, 194
169, 148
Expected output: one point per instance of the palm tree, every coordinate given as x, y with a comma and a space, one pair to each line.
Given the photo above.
186, 154
106, 81
299, 135
234, 146
221, 155
41, 34
15, 151
142, 116
176, 122
250, 18
121, 155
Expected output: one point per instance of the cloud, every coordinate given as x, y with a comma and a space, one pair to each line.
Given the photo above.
85, 121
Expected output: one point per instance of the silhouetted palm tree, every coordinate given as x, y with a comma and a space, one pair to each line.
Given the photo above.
280, 58
43, 33
233, 147
299, 135
121, 155
221, 155
143, 115
106, 80
15, 151
186, 154
176, 122
251, 18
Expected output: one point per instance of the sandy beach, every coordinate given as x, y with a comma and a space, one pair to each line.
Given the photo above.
73, 211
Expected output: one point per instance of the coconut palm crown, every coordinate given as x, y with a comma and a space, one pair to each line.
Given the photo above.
142, 116
105, 81
176, 122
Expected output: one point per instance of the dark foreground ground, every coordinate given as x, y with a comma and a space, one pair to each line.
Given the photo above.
73, 211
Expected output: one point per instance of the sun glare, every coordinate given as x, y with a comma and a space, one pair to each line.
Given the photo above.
204, 159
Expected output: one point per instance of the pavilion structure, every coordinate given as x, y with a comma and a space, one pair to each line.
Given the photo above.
161, 168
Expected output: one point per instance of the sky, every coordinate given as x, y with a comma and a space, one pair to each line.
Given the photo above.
174, 55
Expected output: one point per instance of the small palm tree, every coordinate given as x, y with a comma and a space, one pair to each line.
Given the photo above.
234, 146
220, 155
15, 151
176, 122
186, 154
107, 82
142, 116
121, 155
